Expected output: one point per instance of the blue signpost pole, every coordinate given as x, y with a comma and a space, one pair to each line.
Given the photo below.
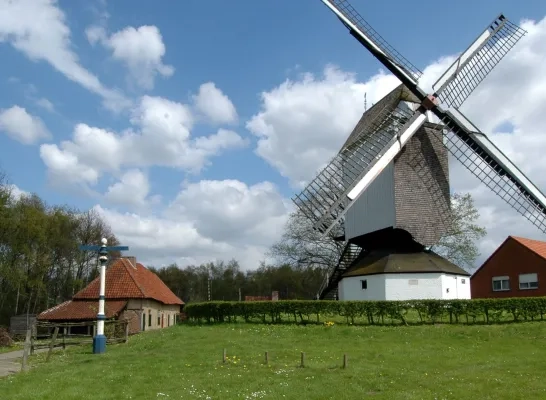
99, 341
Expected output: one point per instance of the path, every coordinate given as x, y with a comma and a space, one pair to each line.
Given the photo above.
11, 362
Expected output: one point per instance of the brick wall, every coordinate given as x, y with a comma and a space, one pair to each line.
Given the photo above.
511, 259
421, 179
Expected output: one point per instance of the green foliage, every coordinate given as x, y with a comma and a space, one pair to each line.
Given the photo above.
459, 245
40, 264
374, 312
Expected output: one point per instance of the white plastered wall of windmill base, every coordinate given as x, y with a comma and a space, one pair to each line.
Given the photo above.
414, 286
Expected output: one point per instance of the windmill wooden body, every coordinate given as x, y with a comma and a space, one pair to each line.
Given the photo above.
386, 192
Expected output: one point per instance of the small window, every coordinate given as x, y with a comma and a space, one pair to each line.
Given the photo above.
463, 281
501, 283
528, 281
364, 284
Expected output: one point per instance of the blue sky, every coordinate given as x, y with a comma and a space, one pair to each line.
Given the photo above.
244, 47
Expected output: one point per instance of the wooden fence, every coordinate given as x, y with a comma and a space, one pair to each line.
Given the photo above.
49, 335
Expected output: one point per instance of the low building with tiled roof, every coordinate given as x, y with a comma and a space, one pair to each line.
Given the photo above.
387, 274
133, 293
517, 268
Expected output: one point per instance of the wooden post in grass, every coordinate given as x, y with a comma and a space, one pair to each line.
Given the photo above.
31, 343
26, 350
224, 356
126, 331
266, 358
344, 360
302, 360
52, 343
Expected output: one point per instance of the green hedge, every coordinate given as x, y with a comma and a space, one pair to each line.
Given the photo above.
374, 312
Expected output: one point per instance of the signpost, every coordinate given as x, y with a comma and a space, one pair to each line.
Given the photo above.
99, 341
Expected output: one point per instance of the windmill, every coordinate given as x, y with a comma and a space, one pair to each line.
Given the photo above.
388, 185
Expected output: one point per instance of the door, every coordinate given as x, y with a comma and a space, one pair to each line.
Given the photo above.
162, 319
143, 321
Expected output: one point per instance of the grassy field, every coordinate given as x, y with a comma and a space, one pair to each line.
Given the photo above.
417, 362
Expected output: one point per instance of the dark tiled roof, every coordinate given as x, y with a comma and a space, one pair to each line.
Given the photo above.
385, 262
125, 281
81, 310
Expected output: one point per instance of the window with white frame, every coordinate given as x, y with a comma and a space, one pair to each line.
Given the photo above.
528, 281
501, 283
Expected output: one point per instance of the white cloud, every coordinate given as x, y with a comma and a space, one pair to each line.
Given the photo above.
16, 192
132, 189
45, 104
18, 124
160, 136
302, 124
207, 220
140, 49
49, 40
215, 105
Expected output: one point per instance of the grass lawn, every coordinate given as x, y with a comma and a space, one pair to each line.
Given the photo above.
417, 362
14, 347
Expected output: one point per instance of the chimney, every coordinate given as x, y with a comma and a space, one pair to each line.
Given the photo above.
132, 260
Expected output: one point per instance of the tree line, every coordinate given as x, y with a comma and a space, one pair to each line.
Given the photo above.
40, 263
42, 266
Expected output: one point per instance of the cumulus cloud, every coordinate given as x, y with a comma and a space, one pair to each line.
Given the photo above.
49, 41
16, 192
140, 49
160, 135
131, 190
302, 124
215, 105
208, 220
18, 124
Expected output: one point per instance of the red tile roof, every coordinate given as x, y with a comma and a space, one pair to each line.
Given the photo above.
81, 310
535, 246
125, 281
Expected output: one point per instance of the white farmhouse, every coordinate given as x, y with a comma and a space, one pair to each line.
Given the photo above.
387, 275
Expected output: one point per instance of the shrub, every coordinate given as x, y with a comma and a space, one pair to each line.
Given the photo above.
375, 312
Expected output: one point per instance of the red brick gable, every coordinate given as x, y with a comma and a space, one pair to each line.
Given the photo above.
536, 246
125, 281
81, 310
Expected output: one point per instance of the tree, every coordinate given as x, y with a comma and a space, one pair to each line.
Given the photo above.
459, 245
40, 264
301, 244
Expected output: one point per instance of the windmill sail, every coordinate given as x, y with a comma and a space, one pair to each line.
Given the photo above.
375, 142
369, 38
481, 157
476, 62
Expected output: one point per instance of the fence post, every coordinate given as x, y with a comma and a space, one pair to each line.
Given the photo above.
26, 351
52, 343
32, 341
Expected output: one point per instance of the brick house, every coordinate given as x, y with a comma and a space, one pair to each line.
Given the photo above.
133, 293
516, 269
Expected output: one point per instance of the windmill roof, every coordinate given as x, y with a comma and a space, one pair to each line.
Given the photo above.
378, 111
387, 262
81, 310
127, 281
